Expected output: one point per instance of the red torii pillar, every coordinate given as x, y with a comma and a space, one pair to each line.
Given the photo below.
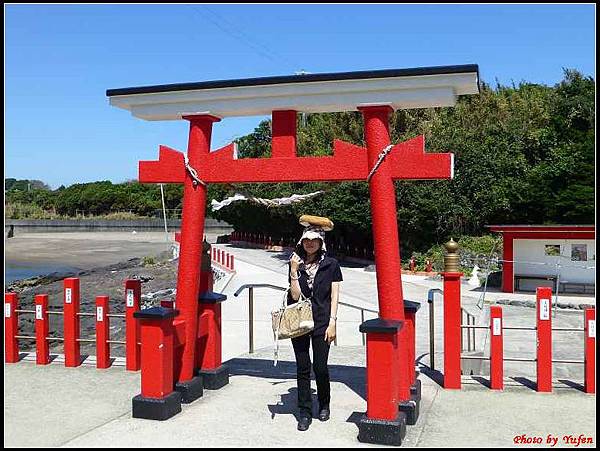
406, 160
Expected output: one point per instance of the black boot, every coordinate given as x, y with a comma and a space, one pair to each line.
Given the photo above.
324, 413
304, 423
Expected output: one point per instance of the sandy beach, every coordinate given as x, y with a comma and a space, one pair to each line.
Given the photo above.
83, 250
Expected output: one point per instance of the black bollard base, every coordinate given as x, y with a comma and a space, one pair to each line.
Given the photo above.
190, 390
156, 408
382, 432
415, 390
411, 409
215, 379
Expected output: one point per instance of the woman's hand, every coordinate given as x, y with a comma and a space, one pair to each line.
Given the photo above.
330, 332
295, 261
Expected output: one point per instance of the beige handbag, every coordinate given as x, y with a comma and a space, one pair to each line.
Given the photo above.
291, 321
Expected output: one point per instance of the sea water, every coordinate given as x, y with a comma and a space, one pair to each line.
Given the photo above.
18, 271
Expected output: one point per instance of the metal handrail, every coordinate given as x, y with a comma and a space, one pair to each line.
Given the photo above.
251, 286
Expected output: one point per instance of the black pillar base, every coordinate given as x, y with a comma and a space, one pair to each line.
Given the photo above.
382, 432
190, 390
411, 409
215, 379
156, 408
415, 390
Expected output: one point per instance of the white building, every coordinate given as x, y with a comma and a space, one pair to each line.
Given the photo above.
535, 256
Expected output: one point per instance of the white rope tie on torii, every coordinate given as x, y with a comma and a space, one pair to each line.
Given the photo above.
380, 159
294, 198
192, 171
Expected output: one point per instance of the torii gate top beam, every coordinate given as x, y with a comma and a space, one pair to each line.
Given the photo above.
422, 87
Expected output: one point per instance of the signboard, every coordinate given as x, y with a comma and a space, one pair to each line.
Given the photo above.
497, 326
544, 309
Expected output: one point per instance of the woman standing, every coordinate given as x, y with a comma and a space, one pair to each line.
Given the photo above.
318, 277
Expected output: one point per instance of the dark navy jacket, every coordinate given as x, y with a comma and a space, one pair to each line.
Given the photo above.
329, 271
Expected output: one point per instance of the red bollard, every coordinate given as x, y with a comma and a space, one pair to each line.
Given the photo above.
11, 328
232, 265
544, 339
410, 313
133, 295
496, 349
452, 331
209, 342
102, 333
409, 401
590, 350
228, 265
71, 302
157, 400
382, 418
42, 349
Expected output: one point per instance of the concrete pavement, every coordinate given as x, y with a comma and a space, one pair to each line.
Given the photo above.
77, 407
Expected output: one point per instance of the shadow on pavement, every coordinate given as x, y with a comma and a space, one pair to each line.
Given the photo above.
289, 404
526, 382
572, 384
354, 377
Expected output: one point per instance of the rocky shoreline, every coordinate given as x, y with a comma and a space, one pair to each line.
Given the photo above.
158, 278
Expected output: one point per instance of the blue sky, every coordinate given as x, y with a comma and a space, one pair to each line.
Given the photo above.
60, 59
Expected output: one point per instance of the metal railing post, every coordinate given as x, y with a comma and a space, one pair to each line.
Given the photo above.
362, 320
468, 333
251, 318
430, 294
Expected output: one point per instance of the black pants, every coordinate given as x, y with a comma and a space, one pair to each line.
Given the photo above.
303, 364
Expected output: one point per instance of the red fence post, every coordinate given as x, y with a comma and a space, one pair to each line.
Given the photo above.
452, 331
102, 333
496, 349
11, 328
157, 400
71, 302
42, 349
590, 350
544, 339
133, 295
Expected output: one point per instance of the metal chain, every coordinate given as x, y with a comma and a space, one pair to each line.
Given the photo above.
192, 172
380, 159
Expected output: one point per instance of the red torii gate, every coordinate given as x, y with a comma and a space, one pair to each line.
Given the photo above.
388, 372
